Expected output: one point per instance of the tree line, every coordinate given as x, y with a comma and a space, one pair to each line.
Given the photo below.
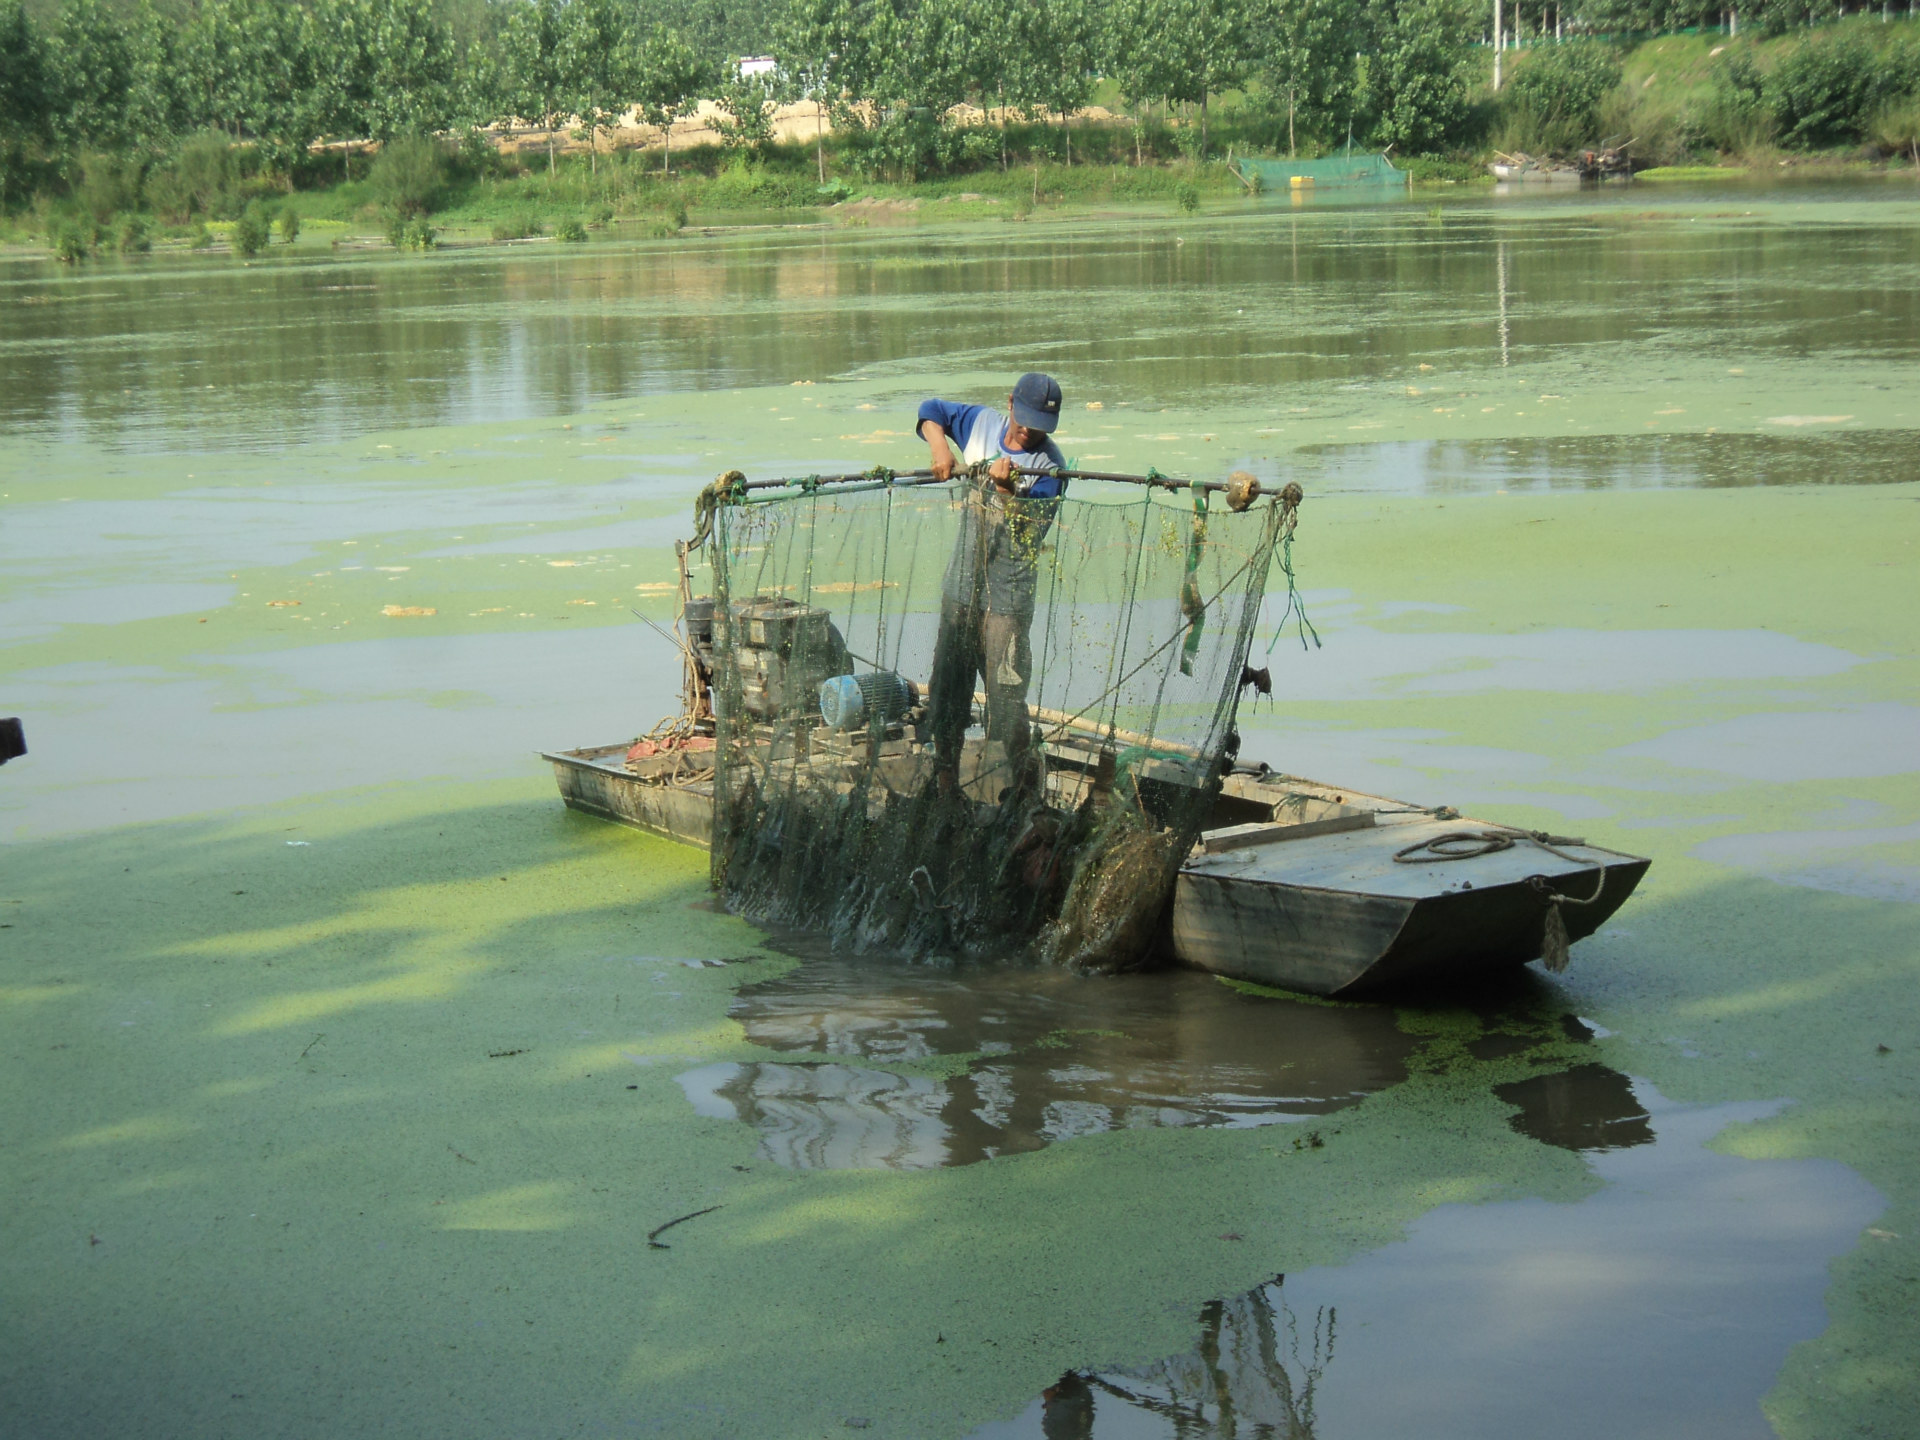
142, 76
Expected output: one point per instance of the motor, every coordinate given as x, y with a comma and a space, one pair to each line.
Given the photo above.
850, 702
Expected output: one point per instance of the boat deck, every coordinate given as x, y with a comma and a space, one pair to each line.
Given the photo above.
1362, 860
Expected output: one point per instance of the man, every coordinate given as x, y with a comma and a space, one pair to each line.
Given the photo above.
987, 596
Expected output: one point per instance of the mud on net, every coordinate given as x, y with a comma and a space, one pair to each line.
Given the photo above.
952, 721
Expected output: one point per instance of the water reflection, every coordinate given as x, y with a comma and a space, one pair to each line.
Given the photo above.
158, 351
1589, 1107
913, 1067
1617, 462
1253, 1373
1689, 1271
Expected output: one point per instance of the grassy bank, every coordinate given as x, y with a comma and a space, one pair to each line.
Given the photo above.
625, 195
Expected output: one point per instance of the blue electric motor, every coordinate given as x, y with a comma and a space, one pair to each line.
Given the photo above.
850, 702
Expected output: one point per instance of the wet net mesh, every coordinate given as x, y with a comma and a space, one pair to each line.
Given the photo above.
950, 720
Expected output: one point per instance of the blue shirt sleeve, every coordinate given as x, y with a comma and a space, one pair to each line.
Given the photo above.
956, 420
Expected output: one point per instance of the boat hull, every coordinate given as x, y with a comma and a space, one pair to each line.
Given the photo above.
1340, 943
1307, 896
596, 782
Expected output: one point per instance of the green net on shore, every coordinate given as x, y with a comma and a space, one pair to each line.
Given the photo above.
1330, 172
951, 720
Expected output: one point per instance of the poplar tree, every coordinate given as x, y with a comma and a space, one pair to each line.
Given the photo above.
410, 69
92, 71
670, 81
26, 93
816, 45
1306, 54
535, 82
596, 55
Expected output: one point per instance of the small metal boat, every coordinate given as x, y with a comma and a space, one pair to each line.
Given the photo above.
1332, 892
1298, 885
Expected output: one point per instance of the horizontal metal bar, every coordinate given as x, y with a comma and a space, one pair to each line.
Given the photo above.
927, 477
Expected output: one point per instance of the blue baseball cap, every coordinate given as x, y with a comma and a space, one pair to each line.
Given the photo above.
1036, 402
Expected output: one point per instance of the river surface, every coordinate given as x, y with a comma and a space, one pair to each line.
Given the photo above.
348, 1077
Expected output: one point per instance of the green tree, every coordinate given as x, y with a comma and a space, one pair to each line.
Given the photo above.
1139, 69
669, 81
535, 82
720, 31
410, 176
26, 94
245, 68
1824, 91
1204, 47
596, 56
92, 71
818, 45
748, 103
410, 68
1416, 82
212, 67
1306, 58
1049, 53
158, 111
914, 65
384, 68
274, 99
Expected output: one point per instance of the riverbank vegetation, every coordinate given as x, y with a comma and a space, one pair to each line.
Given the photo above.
126, 122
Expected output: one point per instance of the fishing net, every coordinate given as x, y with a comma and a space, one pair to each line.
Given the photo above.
1332, 172
951, 721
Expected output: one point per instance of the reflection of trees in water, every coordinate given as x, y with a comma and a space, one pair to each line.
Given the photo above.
1251, 1377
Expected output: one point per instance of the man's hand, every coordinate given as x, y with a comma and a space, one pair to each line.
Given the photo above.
1001, 472
942, 463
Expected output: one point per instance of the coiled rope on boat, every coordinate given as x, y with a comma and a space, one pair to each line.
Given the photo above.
1471, 844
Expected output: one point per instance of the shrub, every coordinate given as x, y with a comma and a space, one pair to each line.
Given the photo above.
1450, 169
1186, 195
570, 232
201, 238
1736, 118
602, 214
131, 236
289, 225
108, 184
668, 219
1896, 127
71, 242
202, 177
411, 232
1823, 91
516, 227
251, 231
743, 185
1662, 134
1553, 101
410, 175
